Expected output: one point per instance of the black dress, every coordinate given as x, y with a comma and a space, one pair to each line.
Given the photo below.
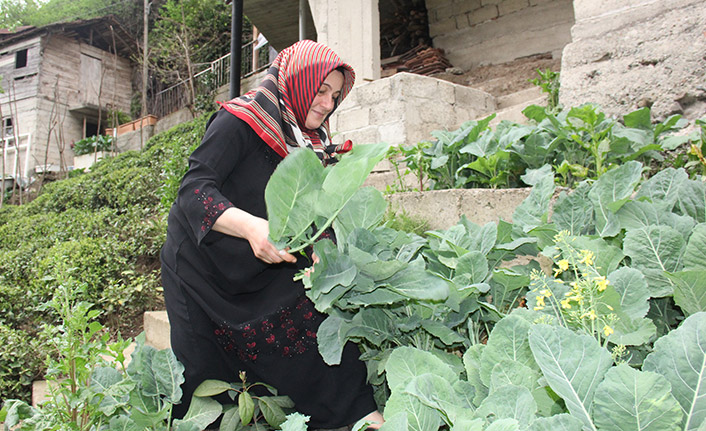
231, 312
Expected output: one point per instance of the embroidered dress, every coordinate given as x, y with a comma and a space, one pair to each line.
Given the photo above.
228, 310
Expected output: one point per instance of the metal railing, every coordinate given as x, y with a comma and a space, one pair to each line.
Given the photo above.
216, 75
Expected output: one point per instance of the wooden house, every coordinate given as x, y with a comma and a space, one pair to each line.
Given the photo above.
60, 82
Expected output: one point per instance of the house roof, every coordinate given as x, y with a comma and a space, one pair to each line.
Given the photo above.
278, 21
98, 32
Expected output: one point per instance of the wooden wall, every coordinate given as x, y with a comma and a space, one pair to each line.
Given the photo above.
59, 88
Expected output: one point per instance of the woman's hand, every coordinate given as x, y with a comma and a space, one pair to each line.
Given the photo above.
255, 230
261, 246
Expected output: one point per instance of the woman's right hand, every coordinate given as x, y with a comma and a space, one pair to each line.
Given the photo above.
256, 231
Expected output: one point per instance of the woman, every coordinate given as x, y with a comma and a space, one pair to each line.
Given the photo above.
230, 296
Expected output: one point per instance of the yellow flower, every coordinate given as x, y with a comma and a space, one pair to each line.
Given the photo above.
566, 303
607, 330
546, 292
602, 283
591, 315
563, 264
587, 257
540, 301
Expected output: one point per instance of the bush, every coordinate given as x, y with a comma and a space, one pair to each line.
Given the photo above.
21, 362
102, 230
92, 144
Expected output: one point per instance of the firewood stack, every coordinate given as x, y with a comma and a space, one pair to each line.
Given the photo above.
422, 60
403, 25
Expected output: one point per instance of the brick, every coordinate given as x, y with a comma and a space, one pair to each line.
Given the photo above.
486, 13
442, 27
510, 6
353, 119
465, 6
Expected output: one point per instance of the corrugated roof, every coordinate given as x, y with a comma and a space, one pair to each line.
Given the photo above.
98, 32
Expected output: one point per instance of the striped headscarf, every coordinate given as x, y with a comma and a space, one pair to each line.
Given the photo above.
277, 109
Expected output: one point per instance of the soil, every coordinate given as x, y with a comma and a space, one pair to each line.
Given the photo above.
504, 78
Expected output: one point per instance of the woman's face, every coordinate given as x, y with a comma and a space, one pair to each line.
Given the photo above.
325, 100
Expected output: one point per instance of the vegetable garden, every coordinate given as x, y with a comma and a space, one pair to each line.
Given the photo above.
604, 328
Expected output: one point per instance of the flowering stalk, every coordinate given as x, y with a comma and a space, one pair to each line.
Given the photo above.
581, 305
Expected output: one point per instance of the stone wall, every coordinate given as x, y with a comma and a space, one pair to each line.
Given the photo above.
630, 54
478, 32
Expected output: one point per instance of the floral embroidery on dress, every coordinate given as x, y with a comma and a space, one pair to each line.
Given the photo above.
212, 210
287, 332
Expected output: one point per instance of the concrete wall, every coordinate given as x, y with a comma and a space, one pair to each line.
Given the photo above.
630, 54
478, 32
404, 109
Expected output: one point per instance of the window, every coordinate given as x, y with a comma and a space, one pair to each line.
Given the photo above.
8, 132
21, 59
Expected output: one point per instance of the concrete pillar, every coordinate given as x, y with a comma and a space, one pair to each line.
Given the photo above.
352, 29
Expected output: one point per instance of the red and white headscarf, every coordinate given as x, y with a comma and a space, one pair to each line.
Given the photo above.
277, 109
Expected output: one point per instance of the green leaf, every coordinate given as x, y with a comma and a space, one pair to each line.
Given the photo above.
631, 287
169, 375
695, 253
435, 392
692, 200
290, 193
419, 416
343, 179
472, 364
416, 283
471, 268
202, 412
514, 373
653, 251
680, 356
632, 332
209, 388
610, 192
574, 211
273, 413
508, 341
246, 407
628, 399
560, 422
115, 389
395, 422
573, 365
441, 332
365, 210
509, 402
639, 119
608, 256
689, 290
123, 423
532, 212
231, 419
295, 422
639, 215
332, 336
405, 363
334, 269
663, 188
507, 424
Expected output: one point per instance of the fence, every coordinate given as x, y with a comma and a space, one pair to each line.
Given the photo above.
216, 75
17, 158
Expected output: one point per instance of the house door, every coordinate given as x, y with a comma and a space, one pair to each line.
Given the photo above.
91, 71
